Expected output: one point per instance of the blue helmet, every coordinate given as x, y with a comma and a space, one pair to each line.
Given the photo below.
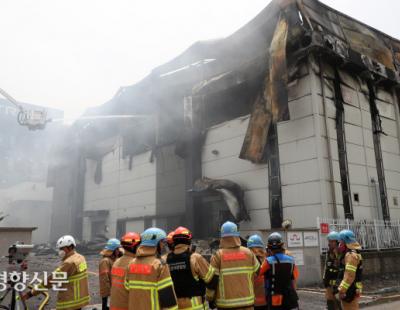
112, 244
333, 235
152, 236
347, 236
229, 229
255, 241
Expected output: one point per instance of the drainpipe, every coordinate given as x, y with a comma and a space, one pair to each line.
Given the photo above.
328, 140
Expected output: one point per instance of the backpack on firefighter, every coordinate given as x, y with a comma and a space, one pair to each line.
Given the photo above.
280, 274
190, 272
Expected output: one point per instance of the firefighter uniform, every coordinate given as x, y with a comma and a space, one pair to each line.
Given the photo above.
280, 274
105, 266
190, 273
109, 255
119, 294
257, 246
148, 279
236, 267
76, 293
330, 277
350, 287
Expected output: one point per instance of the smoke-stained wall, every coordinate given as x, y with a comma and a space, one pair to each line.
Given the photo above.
124, 193
358, 131
170, 180
220, 160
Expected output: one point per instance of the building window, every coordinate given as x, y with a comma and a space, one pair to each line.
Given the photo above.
356, 197
395, 201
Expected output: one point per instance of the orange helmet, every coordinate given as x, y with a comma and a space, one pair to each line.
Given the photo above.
182, 235
130, 240
170, 238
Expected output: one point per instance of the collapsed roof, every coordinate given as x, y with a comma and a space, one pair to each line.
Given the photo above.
284, 32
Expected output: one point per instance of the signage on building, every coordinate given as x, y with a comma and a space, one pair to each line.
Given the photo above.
295, 239
324, 227
298, 256
310, 238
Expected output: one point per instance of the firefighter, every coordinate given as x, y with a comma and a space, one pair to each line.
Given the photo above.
280, 274
236, 267
75, 293
190, 272
257, 246
170, 241
331, 271
170, 245
119, 295
148, 279
350, 274
109, 255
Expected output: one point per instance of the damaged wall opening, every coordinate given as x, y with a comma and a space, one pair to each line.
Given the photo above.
377, 131
274, 178
342, 152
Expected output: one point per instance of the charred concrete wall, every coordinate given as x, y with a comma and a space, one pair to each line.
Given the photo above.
220, 160
152, 191
170, 182
361, 157
299, 155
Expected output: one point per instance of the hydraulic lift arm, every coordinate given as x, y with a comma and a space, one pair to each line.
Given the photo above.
33, 119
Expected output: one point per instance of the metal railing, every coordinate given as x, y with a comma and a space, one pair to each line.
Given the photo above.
371, 234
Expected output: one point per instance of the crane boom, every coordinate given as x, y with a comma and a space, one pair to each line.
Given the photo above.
11, 99
33, 119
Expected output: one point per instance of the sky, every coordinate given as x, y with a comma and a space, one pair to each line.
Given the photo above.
75, 54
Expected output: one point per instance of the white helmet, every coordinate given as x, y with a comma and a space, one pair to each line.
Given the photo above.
64, 241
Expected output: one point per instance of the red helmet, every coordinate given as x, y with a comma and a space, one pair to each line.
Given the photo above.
130, 239
170, 238
182, 233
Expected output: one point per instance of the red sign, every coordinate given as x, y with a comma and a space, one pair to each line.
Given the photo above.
324, 228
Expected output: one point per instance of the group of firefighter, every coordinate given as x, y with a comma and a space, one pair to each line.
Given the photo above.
343, 271
153, 270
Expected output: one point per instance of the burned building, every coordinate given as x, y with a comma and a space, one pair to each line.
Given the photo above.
294, 116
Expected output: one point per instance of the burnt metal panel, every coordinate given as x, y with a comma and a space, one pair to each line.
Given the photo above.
342, 152
377, 131
271, 104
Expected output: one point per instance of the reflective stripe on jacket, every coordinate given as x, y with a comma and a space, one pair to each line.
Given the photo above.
236, 267
119, 294
351, 282
76, 290
149, 282
105, 266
